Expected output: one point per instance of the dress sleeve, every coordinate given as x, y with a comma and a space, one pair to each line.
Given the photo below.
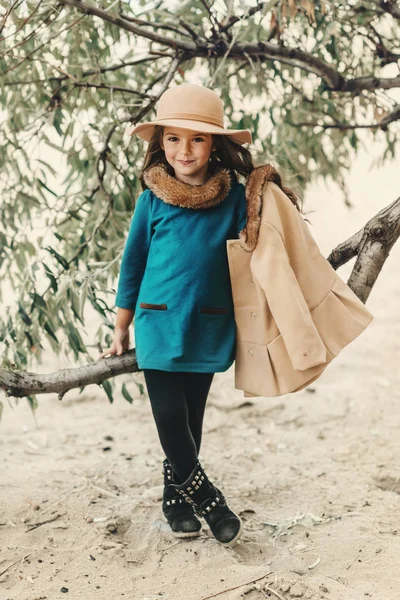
135, 253
271, 267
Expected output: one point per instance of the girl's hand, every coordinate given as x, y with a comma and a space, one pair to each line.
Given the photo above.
120, 343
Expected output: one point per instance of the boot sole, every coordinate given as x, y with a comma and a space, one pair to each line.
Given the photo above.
186, 534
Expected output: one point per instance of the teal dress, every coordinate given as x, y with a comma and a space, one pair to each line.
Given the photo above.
174, 275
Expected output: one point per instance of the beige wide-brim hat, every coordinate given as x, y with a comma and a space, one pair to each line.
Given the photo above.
190, 106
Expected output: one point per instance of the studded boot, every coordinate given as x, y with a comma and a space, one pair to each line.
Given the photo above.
179, 514
209, 502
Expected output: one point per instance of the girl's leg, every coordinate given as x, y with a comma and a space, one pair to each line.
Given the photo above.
168, 403
197, 386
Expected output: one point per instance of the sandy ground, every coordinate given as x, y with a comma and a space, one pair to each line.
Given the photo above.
314, 476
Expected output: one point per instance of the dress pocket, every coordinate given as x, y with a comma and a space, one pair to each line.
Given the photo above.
153, 306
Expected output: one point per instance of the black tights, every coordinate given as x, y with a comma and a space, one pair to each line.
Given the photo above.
178, 400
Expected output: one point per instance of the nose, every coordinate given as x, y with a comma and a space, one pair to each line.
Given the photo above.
185, 147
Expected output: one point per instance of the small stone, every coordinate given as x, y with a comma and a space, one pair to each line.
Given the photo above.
297, 590
112, 527
284, 586
64, 590
108, 546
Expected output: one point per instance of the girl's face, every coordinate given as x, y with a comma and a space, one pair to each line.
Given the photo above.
187, 152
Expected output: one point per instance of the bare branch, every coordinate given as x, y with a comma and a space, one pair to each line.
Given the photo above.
89, 9
153, 55
24, 383
155, 25
369, 83
390, 7
371, 245
382, 124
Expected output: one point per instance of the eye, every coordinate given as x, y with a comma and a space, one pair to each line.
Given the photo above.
172, 138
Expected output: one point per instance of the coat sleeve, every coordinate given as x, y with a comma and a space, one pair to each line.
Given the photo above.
135, 253
271, 267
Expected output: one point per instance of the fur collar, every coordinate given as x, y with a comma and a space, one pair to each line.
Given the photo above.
214, 190
173, 191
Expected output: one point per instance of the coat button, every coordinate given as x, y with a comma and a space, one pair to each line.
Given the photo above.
251, 352
253, 315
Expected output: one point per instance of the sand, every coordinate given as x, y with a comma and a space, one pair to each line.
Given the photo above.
314, 476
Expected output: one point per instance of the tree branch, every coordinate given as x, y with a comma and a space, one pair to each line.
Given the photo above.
371, 245
24, 383
216, 47
89, 9
382, 124
390, 7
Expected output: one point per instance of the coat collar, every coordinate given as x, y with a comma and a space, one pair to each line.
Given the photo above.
212, 192
254, 198
173, 191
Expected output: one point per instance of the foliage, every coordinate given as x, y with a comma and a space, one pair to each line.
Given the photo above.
73, 75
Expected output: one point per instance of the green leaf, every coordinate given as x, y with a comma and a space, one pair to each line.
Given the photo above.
24, 315
75, 339
50, 275
33, 403
108, 389
126, 394
63, 261
46, 187
83, 295
140, 387
51, 333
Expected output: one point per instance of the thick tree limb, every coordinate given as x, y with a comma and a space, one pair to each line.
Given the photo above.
217, 47
371, 245
23, 383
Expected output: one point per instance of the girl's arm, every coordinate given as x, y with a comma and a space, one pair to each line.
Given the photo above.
135, 254
132, 269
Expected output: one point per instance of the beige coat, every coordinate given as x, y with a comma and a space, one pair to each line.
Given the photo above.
293, 312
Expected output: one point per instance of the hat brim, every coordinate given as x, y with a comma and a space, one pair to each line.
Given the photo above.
145, 130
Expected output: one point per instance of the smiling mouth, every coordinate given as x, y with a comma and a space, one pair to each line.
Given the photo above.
186, 162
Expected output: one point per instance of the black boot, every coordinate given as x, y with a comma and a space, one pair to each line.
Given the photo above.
179, 514
209, 502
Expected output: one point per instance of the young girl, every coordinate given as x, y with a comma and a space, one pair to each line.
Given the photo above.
175, 280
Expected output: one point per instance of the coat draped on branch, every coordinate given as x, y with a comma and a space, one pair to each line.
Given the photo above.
371, 245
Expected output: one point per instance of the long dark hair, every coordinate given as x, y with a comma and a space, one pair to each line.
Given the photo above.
227, 154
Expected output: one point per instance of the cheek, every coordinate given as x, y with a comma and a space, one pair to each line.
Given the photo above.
204, 151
